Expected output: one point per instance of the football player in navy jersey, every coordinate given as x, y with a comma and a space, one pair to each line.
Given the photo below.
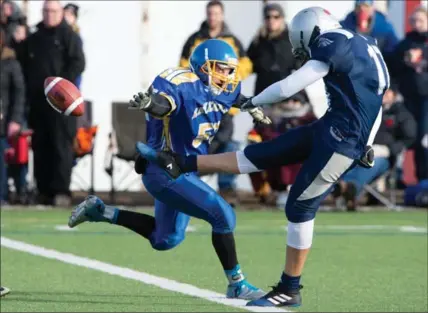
356, 78
184, 108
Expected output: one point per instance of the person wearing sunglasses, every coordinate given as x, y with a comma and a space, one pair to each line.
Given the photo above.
271, 51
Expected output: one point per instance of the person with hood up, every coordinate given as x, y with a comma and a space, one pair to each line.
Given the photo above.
13, 22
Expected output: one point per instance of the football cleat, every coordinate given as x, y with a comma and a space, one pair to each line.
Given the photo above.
4, 291
279, 297
244, 290
90, 210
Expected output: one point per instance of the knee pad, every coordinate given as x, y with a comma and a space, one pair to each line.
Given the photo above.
168, 242
221, 215
300, 235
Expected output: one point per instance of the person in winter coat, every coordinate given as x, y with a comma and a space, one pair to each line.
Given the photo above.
271, 51
397, 132
411, 70
366, 20
13, 22
71, 14
215, 27
53, 50
12, 101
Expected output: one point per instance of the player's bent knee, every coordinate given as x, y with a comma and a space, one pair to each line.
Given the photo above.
300, 235
299, 211
167, 243
221, 216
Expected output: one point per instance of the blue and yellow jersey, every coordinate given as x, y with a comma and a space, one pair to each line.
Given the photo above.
191, 126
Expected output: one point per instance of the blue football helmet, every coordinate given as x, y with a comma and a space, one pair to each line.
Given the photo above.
216, 64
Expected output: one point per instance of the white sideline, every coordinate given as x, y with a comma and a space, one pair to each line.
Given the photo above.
124, 272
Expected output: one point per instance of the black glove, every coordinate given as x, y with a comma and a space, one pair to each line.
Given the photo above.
170, 162
140, 164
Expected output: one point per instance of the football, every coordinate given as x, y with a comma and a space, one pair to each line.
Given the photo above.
63, 96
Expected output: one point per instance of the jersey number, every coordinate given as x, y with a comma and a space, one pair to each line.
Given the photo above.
382, 71
206, 132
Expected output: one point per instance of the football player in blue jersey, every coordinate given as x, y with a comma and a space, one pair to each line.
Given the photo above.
185, 107
356, 78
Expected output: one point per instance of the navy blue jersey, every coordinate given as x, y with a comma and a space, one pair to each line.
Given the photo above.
191, 127
355, 85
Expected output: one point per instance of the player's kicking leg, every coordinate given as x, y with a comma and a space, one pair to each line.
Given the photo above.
4, 291
321, 169
167, 228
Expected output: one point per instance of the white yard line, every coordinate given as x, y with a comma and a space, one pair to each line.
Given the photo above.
124, 272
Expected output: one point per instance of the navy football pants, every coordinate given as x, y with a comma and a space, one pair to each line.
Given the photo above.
177, 200
321, 169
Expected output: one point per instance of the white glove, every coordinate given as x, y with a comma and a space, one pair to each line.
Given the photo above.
259, 116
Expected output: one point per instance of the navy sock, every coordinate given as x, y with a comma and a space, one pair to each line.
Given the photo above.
290, 282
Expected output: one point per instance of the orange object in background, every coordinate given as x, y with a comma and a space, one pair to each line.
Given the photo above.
83, 142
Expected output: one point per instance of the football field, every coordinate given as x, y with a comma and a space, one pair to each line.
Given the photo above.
371, 261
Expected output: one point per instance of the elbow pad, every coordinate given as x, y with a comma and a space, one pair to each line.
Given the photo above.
160, 105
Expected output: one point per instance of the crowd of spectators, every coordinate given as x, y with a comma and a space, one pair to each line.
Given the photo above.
55, 48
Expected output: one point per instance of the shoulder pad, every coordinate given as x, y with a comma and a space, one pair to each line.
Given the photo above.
335, 32
179, 75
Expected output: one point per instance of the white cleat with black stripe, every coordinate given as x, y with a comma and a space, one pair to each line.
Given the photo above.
4, 291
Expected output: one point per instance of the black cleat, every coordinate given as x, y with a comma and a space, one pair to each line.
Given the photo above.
279, 297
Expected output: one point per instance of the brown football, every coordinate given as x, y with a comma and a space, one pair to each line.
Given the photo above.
63, 96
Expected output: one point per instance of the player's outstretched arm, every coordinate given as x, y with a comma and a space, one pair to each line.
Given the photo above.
218, 163
309, 73
156, 104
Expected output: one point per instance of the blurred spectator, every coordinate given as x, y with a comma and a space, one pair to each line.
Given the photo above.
271, 50
366, 20
396, 133
221, 143
411, 70
13, 22
71, 14
53, 50
273, 184
12, 98
215, 27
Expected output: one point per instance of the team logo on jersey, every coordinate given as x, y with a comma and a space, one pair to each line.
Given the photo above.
207, 107
336, 134
324, 42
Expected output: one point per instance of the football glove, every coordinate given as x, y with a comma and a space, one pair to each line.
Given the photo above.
259, 116
141, 101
